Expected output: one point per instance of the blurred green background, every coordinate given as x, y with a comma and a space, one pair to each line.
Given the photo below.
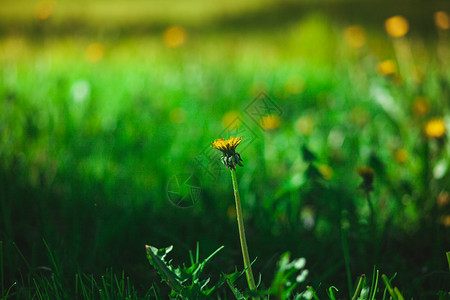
108, 109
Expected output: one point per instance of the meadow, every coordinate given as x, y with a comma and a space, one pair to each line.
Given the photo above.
108, 111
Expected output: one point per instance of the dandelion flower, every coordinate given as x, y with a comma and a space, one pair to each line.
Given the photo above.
396, 26
355, 36
387, 67
228, 148
435, 128
401, 155
270, 122
442, 20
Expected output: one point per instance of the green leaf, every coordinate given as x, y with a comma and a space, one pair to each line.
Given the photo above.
156, 259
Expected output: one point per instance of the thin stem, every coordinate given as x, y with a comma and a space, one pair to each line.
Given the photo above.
372, 214
248, 271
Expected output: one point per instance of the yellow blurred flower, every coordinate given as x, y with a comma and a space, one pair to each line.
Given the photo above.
446, 220
401, 155
177, 115
230, 158
174, 36
355, 36
95, 52
359, 116
231, 120
270, 122
304, 125
44, 9
326, 171
396, 26
442, 20
421, 106
443, 199
387, 67
294, 85
435, 128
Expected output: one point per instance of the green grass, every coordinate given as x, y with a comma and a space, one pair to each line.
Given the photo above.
87, 150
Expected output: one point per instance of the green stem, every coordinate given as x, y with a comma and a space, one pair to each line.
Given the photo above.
248, 271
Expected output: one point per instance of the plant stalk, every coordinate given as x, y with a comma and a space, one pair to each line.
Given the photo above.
248, 268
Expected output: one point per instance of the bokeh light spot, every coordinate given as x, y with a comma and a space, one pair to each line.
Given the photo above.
174, 36
387, 67
396, 26
355, 36
231, 120
80, 90
401, 155
421, 106
95, 52
359, 116
443, 199
270, 122
177, 115
435, 128
44, 9
304, 125
295, 85
442, 20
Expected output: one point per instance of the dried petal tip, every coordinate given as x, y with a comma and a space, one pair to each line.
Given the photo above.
228, 148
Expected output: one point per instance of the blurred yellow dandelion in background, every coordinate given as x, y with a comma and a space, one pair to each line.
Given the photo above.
446, 220
294, 85
359, 116
174, 36
420, 106
442, 20
304, 125
231, 119
401, 155
387, 67
270, 122
443, 199
396, 26
177, 115
326, 171
44, 9
355, 36
435, 128
95, 52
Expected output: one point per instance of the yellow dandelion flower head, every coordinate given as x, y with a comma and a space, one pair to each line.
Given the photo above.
44, 9
231, 120
442, 20
95, 52
355, 36
421, 106
270, 122
174, 36
443, 199
387, 67
401, 155
226, 145
435, 128
228, 148
396, 26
